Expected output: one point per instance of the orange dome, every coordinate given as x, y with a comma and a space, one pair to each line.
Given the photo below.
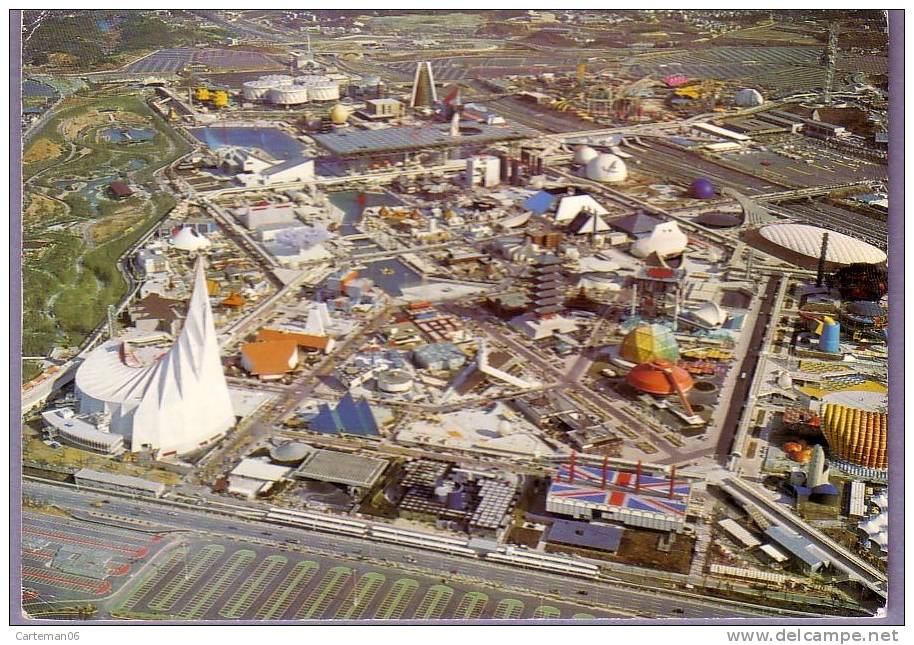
659, 377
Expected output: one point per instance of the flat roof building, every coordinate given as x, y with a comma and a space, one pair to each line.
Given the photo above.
120, 483
366, 143
587, 535
810, 557
354, 471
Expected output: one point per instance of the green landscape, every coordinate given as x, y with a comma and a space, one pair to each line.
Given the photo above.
73, 233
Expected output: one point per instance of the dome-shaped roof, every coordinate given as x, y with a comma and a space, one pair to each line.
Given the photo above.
289, 452
607, 168
807, 240
711, 314
748, 97
646, 343
188, 239
659, 377
583, 154
339, 114
666, 240
702, 188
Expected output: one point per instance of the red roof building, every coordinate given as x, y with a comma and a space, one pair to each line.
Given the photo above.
660, 377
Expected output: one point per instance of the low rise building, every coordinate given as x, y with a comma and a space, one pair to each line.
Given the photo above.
119, 483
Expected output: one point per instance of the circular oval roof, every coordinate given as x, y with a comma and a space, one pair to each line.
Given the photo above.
718, 219
289, 451
807, 240
659, 377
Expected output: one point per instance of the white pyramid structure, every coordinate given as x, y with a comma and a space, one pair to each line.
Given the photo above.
318, 319
174, 405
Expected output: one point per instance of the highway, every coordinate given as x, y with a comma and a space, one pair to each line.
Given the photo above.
625, 598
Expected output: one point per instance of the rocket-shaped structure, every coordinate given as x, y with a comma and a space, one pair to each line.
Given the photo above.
424, 94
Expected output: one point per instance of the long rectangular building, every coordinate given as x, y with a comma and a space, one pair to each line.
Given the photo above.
119, 483
366, 143
645, 501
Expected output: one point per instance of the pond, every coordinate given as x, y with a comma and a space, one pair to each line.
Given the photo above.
34, 88
273, 141
390, 276
348, 201
118, 134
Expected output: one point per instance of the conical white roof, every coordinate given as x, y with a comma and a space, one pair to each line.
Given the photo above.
188, 239
173, 405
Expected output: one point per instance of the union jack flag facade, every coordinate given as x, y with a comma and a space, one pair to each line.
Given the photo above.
620, 492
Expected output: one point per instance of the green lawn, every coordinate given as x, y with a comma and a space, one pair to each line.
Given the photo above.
67, 287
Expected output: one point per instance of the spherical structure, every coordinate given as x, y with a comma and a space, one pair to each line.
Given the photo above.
717, 219
607, 168
505, 428
188, 239
646, 343
659, 377
394, 381
702, 188
339, 114
807, 240
748, 97
288, 95
584, 154
290, 453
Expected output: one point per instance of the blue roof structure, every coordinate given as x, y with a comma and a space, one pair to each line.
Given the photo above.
601, 537
798, 546
540, 202
350, 417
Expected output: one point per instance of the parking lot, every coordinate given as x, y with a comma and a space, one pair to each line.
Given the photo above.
175, 59
98, 558
202, 580
805, 162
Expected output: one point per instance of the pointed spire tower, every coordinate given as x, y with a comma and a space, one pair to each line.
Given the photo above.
175, 405
424, 94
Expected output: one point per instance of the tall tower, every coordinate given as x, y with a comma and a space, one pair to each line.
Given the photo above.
831, 60
820, 275
424, 94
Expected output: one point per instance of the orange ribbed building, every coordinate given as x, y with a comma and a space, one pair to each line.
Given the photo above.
856, 436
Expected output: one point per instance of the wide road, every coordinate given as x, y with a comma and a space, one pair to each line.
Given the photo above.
626, 598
